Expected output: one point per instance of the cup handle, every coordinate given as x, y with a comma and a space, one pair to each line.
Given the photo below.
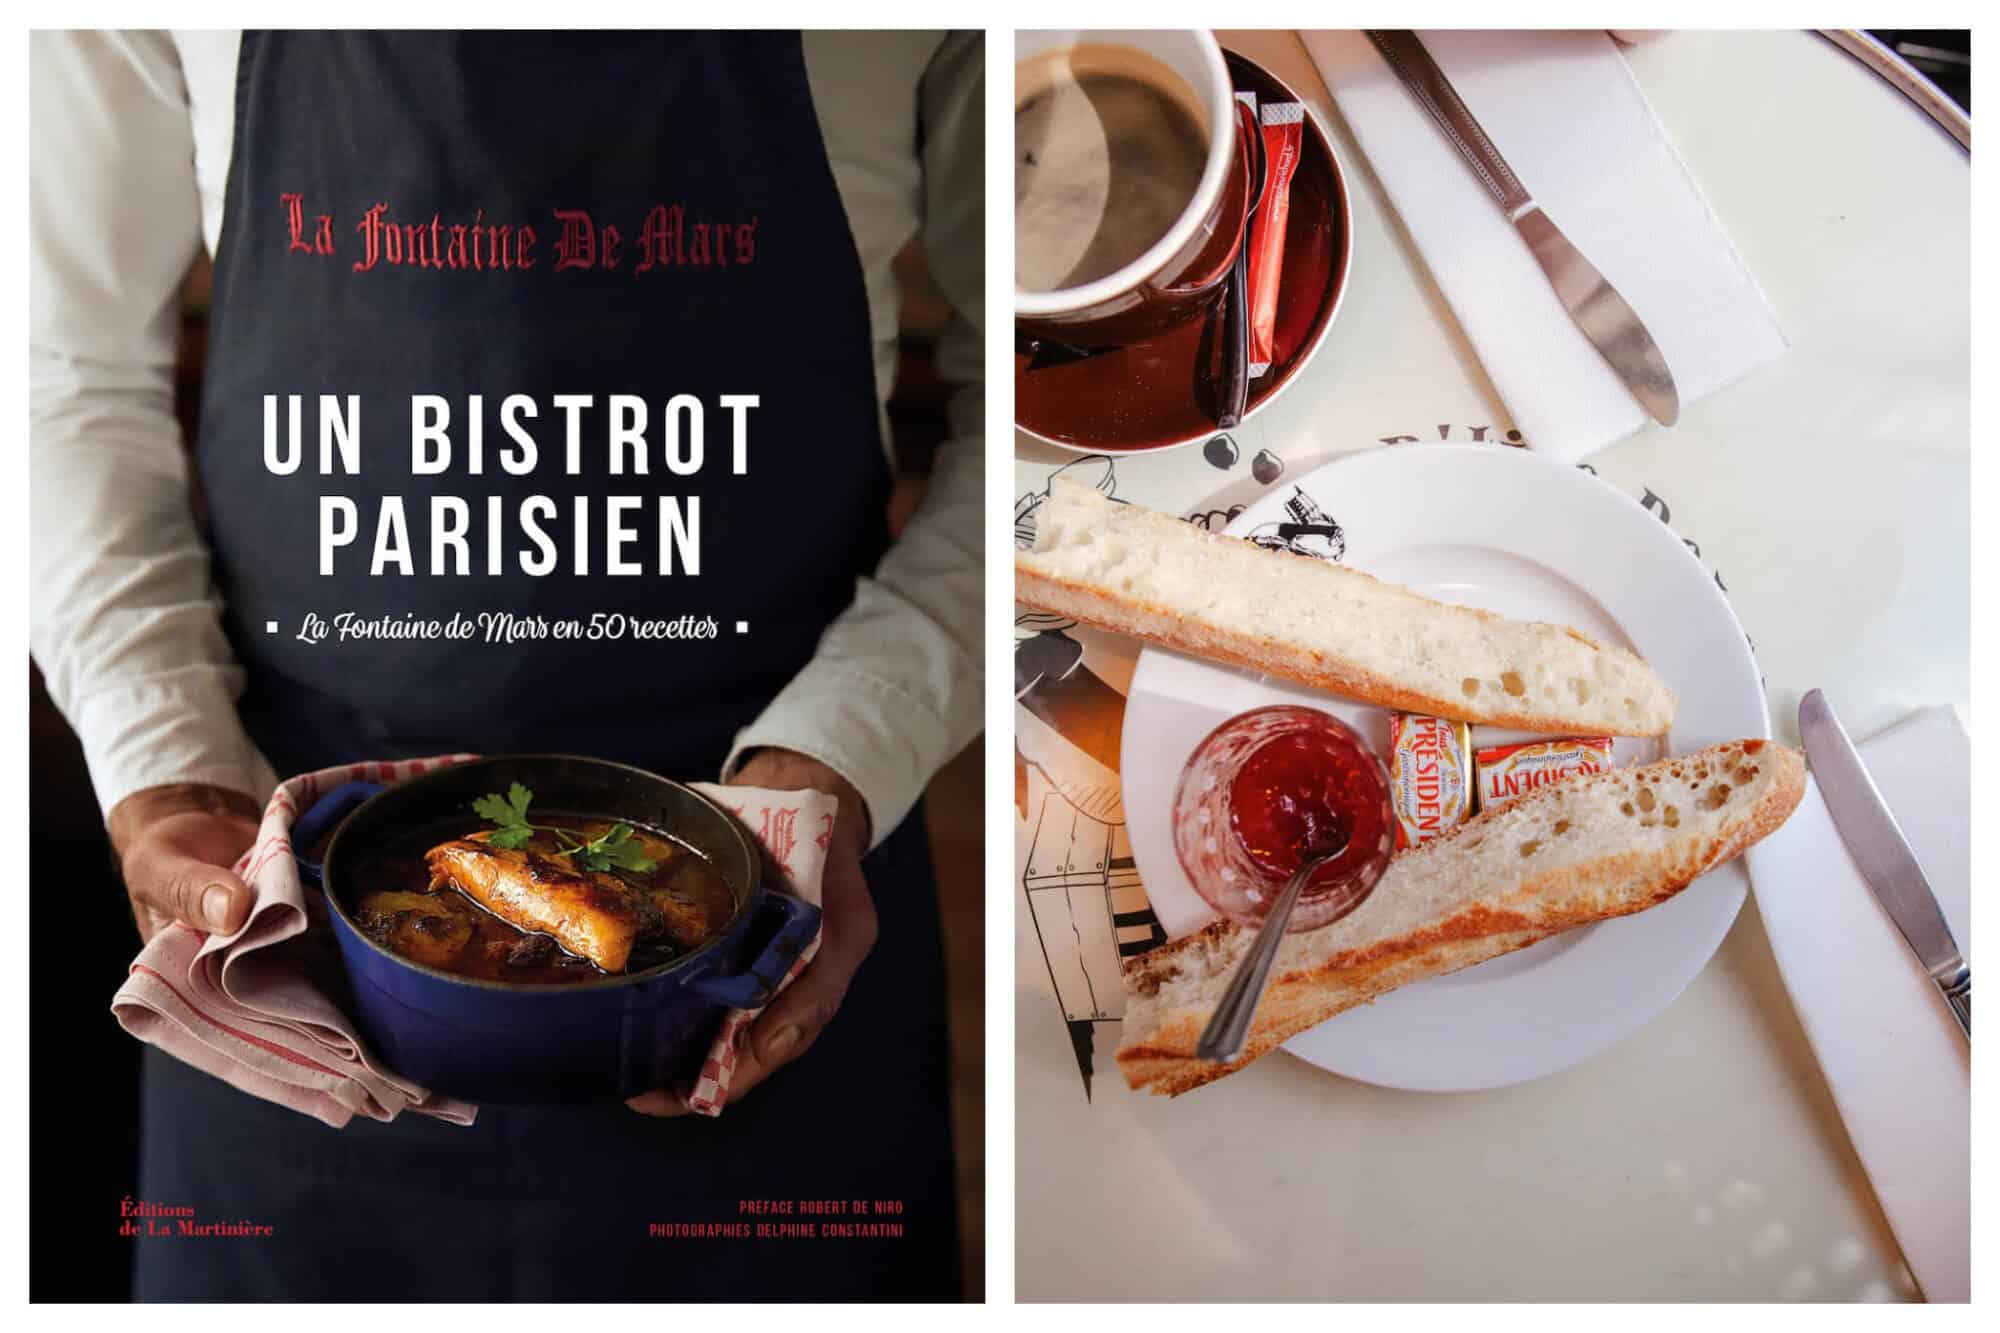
752, 988
319, 820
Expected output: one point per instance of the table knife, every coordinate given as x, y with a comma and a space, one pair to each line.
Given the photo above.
1882, 854
1611, 325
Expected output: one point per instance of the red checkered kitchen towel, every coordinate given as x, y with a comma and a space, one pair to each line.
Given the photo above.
253, 1009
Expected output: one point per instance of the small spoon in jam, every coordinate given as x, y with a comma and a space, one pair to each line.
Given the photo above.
1229, 1026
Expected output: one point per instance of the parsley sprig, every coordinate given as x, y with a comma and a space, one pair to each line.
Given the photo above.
612, 849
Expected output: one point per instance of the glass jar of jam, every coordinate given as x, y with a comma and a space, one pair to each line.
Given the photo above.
1266, 791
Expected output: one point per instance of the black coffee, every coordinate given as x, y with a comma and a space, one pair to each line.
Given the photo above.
1105, 161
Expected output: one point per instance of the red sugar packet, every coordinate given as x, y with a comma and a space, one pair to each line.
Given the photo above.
1283, 125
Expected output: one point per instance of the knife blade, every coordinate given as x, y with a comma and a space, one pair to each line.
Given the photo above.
1607, 321
1881, 852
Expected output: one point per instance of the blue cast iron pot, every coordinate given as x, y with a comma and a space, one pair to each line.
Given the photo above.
588, 1041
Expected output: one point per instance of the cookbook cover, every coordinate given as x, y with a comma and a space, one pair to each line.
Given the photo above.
506, 664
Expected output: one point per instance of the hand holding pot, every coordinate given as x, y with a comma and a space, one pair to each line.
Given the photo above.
794, 1020
175, 845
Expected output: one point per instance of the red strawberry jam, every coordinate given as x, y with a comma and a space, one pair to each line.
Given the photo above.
1304, 794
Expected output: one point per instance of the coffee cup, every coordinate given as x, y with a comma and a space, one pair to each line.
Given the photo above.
1131, 183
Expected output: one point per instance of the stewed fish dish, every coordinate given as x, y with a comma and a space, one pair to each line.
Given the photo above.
559, 898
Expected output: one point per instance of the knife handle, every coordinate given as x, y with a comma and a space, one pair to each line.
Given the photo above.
1958, 994
1420, 74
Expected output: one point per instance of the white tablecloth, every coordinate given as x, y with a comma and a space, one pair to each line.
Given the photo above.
1702, 1158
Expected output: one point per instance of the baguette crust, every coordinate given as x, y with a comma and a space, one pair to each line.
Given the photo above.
1115, 566
1156, 623
1161, 1057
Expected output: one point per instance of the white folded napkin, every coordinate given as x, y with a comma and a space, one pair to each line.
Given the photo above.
1566, 113
1893, 1056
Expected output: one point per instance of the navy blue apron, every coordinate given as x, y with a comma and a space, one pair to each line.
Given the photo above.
663, 140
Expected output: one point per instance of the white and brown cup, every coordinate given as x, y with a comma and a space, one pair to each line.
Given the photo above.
1131, 182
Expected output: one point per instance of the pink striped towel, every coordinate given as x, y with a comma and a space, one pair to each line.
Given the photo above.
252, 1008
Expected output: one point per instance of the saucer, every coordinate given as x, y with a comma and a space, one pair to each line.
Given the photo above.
1161, 393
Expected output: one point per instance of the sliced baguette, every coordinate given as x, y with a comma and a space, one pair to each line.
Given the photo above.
1157, 578
1578, 851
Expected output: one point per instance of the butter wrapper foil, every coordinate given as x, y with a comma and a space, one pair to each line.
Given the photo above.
1508, 772
1430, 776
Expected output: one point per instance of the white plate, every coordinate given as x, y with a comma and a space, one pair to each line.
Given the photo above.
1511, 532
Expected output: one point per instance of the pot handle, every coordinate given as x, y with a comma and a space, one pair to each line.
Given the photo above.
797, 921
319, 819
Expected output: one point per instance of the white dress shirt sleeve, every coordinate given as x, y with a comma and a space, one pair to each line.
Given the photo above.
895, 687
123, 618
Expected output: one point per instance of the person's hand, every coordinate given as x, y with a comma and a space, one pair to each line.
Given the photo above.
794, 1020
175, 845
